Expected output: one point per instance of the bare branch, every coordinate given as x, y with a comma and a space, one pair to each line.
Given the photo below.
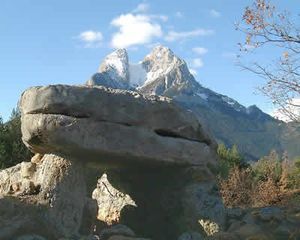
263, 26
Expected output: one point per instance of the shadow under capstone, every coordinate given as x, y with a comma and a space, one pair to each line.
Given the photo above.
160, 195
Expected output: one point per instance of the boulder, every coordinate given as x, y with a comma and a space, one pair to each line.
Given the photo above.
271, 213
118, 229
42, 203
155, 159
102, 124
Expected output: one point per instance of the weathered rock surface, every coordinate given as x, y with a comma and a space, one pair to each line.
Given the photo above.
117, 229
191, 236
110, 201
262, 223
39, 198
118, 126
119, 237
202, 202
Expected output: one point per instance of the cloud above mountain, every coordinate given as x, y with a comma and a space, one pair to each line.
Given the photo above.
175, 35
134, 30
91, 38
140, 27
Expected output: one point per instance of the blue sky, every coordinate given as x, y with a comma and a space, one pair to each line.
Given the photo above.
63, 41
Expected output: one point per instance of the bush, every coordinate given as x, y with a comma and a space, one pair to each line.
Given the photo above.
229, 158
294, 175
12, 149
236, 190
269, 181
268, 167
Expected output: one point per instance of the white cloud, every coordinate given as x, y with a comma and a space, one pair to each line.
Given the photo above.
134, 30
200, 50
141, 8
174, 36
91, 38
293, 109
197, 63
214, 13
179, 14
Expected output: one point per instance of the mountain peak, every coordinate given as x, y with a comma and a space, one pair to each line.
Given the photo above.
160, 55
117, 61
113, 71
166, 73
160, 72
161, 51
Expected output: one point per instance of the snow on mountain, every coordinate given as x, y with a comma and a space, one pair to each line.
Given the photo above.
161, 72
203, 96
116, 64
113, 71
159, 62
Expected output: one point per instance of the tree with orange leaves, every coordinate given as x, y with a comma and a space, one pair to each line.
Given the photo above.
265, 27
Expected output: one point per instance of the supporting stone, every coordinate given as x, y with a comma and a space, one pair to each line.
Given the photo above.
47, 198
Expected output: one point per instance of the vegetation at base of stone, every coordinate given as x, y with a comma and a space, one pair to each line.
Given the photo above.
272, 180
228, 159
12, 149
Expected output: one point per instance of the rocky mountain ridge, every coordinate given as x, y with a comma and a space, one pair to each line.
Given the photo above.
161, 72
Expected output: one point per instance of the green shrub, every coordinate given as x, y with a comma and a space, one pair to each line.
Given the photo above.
294, 175
228, 159
269, 166
12, 149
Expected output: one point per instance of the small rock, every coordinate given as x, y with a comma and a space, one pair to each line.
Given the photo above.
15, 187
258, 237
249, 219
209, 227
234, 226
28, 187
191, 236
37, 158
27, 169
248, 230
118, 229
224, 236
31, 237
234, 212
119, 237
282, 232
271, 213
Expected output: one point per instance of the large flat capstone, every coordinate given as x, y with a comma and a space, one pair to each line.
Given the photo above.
112, 126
